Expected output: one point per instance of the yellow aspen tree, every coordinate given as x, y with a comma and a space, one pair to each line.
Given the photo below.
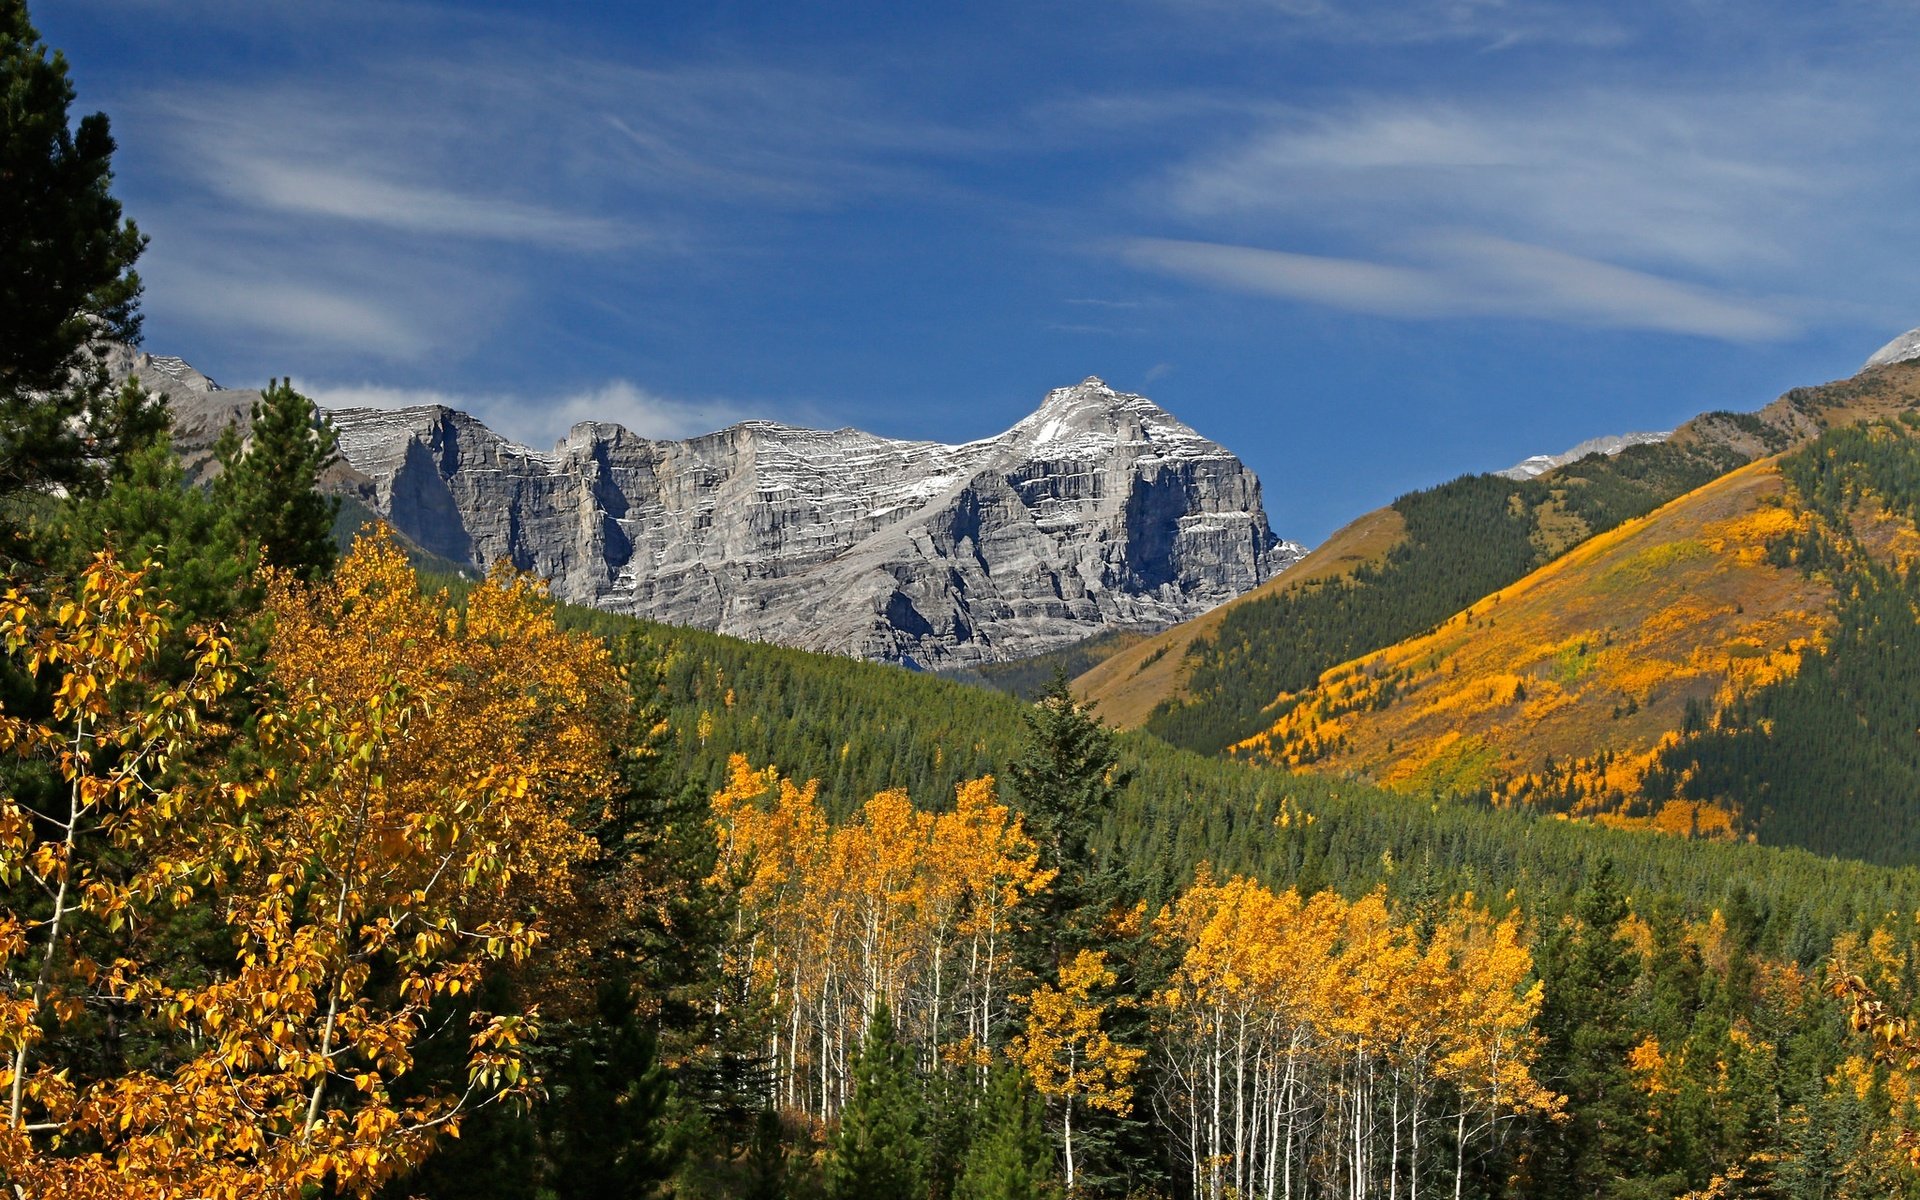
401, 823
424, 763
1491, 1042
1065, 1048
996, 870
114, 739
881, 857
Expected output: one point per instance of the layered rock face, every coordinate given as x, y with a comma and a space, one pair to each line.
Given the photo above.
1100, 510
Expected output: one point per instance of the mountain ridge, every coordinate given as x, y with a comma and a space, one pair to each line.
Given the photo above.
1100, 510
1151, 683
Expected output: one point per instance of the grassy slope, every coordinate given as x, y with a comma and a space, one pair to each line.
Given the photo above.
1198, 685
1600, 652
1129, 684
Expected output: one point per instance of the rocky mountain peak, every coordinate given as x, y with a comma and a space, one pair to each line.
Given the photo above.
1904, 348
1099, 510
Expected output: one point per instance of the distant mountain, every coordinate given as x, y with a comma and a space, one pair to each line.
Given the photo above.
1099, 511
1904, 348
1540, 464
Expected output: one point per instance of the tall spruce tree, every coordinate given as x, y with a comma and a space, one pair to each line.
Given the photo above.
1587, 1019
1011, 1157
879, 1152
150, 510
267, 485
606, 1124
66, 271
1065, 780
766, 1159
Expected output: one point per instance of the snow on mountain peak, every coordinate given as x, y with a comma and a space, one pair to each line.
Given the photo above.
1904, 348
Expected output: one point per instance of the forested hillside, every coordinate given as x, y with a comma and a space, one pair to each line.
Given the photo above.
1469, 538
1828, 757
1718, 944
1737, 664
1174, 808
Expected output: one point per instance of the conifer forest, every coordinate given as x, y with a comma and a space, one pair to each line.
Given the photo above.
329, 867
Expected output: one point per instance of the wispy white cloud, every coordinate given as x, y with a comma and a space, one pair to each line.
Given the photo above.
311, 190
1708, 212
291, 312
541, 421
1712, 179
1488, 24
417, 198
1471, 275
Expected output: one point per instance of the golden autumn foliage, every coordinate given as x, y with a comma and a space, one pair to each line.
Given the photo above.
112, 738
1284, 1027
1067, 1049
396, 826
1565, 686
1287, 1020
898, 907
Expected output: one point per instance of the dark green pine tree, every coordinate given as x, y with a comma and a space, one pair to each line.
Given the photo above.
606, 1125
766, 1159
1067, 780
1064, 781
1588, 1022
267, 487
953, 1112
149, 510
66, 270
1011, 1157
879, 1152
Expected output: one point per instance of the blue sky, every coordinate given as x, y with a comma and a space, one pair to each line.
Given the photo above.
1366, 245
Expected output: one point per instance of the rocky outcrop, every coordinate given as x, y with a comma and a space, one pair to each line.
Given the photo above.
1904, 348
201, 408
1100, 510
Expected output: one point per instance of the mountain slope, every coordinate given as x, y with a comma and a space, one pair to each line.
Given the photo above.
862, 727
1745, 661
1462, 541
1599, 652
1099, 511
1129, 684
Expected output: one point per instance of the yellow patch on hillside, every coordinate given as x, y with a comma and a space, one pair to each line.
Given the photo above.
1577, 672
1128, 685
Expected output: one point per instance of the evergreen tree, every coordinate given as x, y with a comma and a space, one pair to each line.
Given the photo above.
1065, 781
1590, 974
66, 277
150, 511
267, 486
606, 1123
766, 1159
879, 1151
1068, 781
1011, 1157
953, 1115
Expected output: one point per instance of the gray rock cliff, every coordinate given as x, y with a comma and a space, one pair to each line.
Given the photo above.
1901, 349
1100, 510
